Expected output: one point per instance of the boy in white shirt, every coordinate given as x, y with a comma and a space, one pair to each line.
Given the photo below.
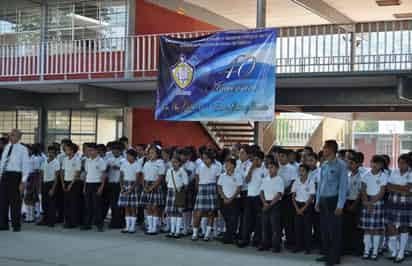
271, 192
95, 168
72, 186
112, 189
252, 219
50, 175
288, 173
229, 186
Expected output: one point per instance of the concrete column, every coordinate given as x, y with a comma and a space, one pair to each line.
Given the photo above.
130, 31
42, 126
44, 14
260, 23
128, 123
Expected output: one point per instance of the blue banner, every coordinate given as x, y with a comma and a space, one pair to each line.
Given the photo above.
226, 76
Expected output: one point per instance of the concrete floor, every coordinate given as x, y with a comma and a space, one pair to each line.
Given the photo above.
38, 246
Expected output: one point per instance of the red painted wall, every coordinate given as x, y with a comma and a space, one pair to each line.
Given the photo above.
151, 18
367, 145
146, 130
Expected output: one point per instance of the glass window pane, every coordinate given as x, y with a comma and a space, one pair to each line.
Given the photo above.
83, 122
108, 120
58, 122
7, 121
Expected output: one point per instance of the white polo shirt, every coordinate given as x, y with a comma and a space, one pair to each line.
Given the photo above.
180, 176
18, 161
355, 185
95, 169
242, 169
114, 164
397, 179
254, 186
208, 175
130, 170
303, 190
49, 170
190, 168
374, 182
314, 175
271, 186
70, 167
230, 184
288, 173
153, 169
36, 162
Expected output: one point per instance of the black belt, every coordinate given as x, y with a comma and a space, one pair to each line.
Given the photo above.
12, 173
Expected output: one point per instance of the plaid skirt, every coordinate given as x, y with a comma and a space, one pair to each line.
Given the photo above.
398, 209
206, 199
171, 209
129, 200
155, 198
373, 220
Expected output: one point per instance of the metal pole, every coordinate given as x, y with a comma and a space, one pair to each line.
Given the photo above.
260, 23
44, 10
129, 32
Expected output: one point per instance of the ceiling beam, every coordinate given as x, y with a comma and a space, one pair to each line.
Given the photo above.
324, 10
198, 13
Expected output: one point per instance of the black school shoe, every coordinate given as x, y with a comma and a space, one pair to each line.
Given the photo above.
86, 228
17, 229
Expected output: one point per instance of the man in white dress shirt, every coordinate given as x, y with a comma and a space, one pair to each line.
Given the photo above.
14, 171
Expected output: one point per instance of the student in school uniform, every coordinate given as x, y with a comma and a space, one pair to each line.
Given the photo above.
206, 198
303, 192
96, 175
311, 160
112, 188
31, 195
72, 186
243, 165
398, 209
271, 191
252, 216
288, 173
50, 175
128, 198
190, 167
372, 217
59, 190
153, 196
177, 181
141, 159
229, 188
352, 235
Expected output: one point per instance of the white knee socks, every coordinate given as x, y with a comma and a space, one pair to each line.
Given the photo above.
173, 225
403, 241
367, 242
132, 224
376, 244
155, 223
179, 221
203, 224
393, 245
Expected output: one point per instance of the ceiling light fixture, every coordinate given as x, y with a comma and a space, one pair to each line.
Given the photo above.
388, 2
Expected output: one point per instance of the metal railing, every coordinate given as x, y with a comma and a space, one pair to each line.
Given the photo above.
361, 47
295, 132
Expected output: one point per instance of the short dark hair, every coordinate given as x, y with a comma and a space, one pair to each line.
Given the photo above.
379, 159
273, 162
231, 161
283, 151
93, 146
260, 155
304, 166
124, 139
309, 148
331, 143
405, 157
132, 153
52, 148
356, 157
313, 155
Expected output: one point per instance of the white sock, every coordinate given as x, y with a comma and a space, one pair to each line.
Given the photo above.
208, 231
392, 245
132, 227
150, 224
404, 240
195, 231
367, 242
179, 221
37, 210
172, 225
127, 218
376, 244
203, 224
155, 223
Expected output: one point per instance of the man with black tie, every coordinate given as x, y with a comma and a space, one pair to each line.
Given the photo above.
14, 171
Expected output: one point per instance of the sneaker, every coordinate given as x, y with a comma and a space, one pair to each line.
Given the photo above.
195, 238
365, 256
374, 257
170, 235
399, 259
125, 230
131, 231
177, 236
206, 239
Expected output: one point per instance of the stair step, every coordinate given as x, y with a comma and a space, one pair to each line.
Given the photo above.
214, 124
232, 130
234, 135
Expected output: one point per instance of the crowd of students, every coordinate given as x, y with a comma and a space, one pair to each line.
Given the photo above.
239, 195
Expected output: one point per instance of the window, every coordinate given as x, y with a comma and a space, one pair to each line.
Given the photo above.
25, 120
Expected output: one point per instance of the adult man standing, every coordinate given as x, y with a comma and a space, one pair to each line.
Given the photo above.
330, 200
14, 170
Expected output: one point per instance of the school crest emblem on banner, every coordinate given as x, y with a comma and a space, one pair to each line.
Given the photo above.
182, 73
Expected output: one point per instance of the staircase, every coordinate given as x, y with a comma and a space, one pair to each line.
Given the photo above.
225, 134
